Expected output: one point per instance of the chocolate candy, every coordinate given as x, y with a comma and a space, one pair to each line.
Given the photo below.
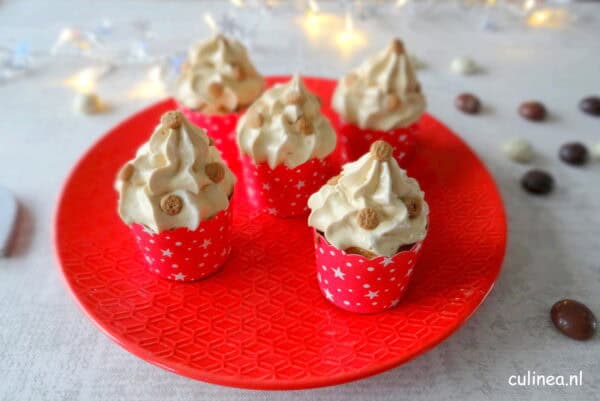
468, 103
519, 150
590, 105
574, 153
9, 211
537, 182
573, 319
463, 66
533, 111
596, 151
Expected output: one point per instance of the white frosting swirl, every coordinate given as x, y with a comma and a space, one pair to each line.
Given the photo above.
382, 94
286, 126
369, 183
218, 77
173, 162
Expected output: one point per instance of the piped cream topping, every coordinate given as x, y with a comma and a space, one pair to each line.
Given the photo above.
372, 205
177, 178
383, 93
218, 77
286, 126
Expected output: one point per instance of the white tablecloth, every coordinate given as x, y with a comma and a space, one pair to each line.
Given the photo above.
50, 351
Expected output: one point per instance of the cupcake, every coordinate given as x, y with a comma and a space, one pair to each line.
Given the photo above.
369, 224
216, 84
381, 99
286, 145
175, 196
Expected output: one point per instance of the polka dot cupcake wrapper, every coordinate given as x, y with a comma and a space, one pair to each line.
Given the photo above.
186, 255
361, 285
219, 127
284, 192
357, 141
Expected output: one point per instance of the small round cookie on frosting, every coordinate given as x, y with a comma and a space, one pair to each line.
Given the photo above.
216, 84
175, 195
381, 99
286, 145
369, 223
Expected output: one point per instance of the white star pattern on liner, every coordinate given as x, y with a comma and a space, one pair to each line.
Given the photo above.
179, 276
178, 243
386, 261
206, 243
337, 272
166, 252
148, 231
149, 259
300, 184
266, 187
372, 294
394, 302
328, 294
272, 210
409, 272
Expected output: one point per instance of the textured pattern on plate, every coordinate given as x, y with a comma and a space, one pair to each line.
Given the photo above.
261, 321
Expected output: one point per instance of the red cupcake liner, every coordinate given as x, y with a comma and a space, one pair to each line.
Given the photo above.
186, 255
284, 192
357, 141
220, 127
359, 284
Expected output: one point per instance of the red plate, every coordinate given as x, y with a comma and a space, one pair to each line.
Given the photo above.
262, 322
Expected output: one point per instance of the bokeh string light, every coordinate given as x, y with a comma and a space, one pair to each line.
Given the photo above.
339, 25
